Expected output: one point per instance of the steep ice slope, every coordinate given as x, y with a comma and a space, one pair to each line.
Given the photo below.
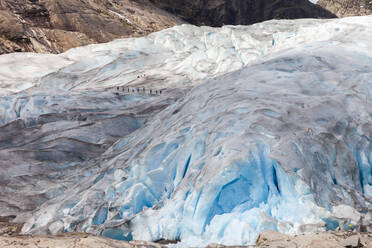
181, 56
282, 144
45, 137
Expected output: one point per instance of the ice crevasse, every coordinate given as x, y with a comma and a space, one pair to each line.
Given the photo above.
283, 144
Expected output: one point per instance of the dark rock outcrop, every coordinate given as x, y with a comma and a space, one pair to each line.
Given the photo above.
343, 8
238, 12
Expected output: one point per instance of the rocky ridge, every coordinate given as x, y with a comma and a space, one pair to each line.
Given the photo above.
52, 26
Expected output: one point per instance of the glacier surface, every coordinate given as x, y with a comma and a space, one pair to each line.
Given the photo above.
278, 137
179, 57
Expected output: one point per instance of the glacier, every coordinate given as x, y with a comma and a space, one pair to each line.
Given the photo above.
261, 127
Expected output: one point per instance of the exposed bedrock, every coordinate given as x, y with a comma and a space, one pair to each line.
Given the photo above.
343, 8
217, 13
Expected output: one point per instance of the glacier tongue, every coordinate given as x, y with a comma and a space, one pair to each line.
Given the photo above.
282, 144
273, 146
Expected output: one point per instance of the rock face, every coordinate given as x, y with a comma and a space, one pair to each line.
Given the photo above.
52, 26
343, 8
220, 12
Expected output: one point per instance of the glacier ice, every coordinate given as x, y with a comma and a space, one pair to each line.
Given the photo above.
282, 144
178, 57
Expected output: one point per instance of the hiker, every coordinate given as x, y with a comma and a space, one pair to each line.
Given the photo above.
117, 88
150, 91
